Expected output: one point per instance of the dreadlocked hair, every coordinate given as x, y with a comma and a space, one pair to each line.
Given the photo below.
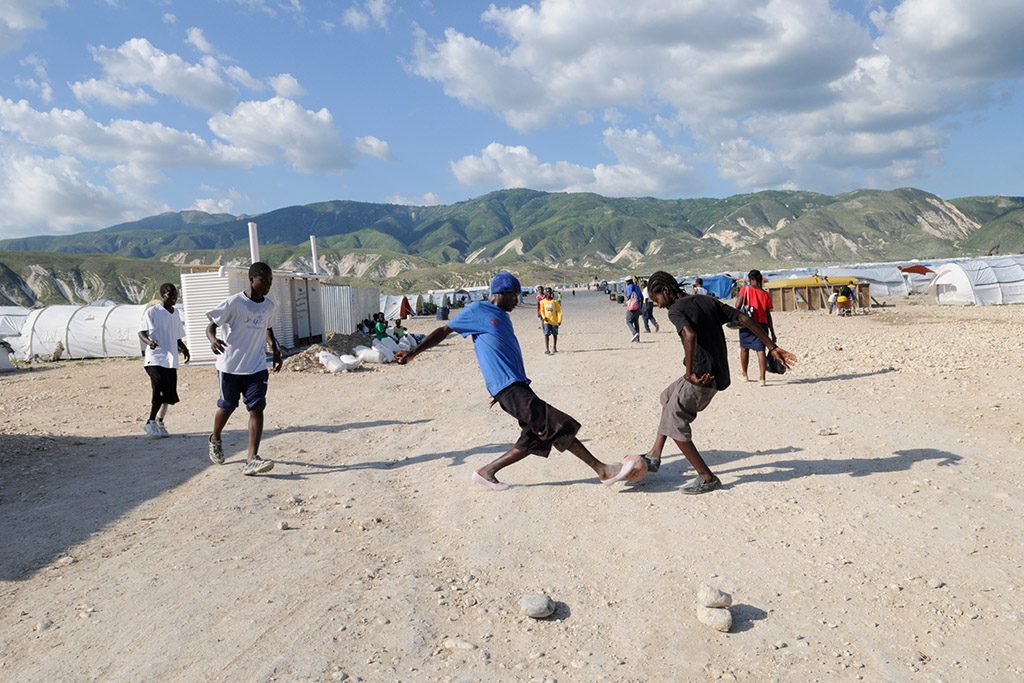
663, 282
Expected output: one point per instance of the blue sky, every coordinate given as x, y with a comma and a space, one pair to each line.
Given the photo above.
111, 110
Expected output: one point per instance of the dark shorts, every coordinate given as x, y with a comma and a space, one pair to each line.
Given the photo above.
252, 389
749, 340
680, 403
165, 383
550, 329
543, 426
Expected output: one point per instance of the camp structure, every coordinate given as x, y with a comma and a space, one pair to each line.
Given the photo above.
981, 281
298, 318
345, 307
12, 319
811, 293
81, 332
395, 307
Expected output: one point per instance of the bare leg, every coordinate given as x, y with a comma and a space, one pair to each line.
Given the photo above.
509, 457
761, 364
547, 344
220, 419
744, 359
255, 432
693, 457
555, 342
603, 471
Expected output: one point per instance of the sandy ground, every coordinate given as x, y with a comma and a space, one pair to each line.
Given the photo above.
869, 527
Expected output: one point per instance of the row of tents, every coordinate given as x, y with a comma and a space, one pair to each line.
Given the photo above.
111, 330
979, 281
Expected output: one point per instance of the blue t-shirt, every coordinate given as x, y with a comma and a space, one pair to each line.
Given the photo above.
495, 343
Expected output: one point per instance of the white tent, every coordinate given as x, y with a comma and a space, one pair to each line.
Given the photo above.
981, 281
84, 331
394, 306
12, 318
885, 280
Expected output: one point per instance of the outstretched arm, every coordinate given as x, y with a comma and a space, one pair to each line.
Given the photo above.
432, 340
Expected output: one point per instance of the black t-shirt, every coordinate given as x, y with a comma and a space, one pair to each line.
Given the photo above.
705, 316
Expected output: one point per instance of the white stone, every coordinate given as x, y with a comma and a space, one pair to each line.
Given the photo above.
709, 596
283, 525
536, 605
457, 644
718, 618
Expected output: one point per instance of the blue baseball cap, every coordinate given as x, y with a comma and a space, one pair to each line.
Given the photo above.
505, 282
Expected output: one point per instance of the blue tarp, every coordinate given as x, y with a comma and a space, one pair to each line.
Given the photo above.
719, 285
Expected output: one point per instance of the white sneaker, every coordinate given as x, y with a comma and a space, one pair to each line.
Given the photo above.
161, 428
152, 431
636, 337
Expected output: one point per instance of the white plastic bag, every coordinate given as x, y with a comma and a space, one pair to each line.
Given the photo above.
338, 364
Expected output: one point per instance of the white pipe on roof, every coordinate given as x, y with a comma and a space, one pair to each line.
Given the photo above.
316, 260
254, 243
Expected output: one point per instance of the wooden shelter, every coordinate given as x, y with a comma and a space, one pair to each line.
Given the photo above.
811, 293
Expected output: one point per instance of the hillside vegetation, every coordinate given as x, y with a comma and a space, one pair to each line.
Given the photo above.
542, 236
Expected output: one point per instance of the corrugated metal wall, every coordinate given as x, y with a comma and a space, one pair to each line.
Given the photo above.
344, 307
284, 316
201, 293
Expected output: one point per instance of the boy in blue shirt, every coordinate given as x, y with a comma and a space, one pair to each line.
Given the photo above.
501, 362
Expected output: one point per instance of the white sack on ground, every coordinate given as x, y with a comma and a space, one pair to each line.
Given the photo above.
338, 364
368, 355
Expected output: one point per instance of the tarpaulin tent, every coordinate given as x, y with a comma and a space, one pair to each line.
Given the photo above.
12, 318
981, 281
718, 285
83, 331
885, 280
395, 306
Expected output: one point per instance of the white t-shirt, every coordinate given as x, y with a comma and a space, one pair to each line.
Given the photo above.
245, 324
166, 328
699, 290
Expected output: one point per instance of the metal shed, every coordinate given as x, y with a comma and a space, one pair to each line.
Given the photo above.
297, 321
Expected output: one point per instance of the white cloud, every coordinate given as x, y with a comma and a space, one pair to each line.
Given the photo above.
38, 66
19, 16
374, 147
278, 129
169, 18
244, 78
137, 62
59, 194
213, 205
376, 12
198, 40
425, 199
355, 18
286, 85
645, 167
775, 91
44, 90
109, 93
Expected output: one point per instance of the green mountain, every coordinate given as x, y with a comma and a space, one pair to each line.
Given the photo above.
543, 236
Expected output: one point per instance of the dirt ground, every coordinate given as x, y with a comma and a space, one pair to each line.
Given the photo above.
869, 527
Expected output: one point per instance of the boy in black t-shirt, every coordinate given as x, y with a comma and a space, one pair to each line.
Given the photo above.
699, 320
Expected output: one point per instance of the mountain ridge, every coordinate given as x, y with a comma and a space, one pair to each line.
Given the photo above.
555, 236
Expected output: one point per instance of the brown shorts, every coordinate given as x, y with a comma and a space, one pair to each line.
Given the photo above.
543, 426
680, 403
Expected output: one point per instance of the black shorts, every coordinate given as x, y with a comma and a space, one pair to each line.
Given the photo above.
165, 383
543, 426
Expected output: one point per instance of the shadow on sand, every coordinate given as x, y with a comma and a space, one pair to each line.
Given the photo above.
675, 470
56, 491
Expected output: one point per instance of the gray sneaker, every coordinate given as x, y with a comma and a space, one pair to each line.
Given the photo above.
161, 428
698, 485
257, 466
216, 452
152, 431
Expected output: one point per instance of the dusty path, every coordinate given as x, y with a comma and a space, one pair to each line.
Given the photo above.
869, 527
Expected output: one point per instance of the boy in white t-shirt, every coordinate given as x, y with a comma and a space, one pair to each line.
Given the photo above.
162, 332
242, 362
